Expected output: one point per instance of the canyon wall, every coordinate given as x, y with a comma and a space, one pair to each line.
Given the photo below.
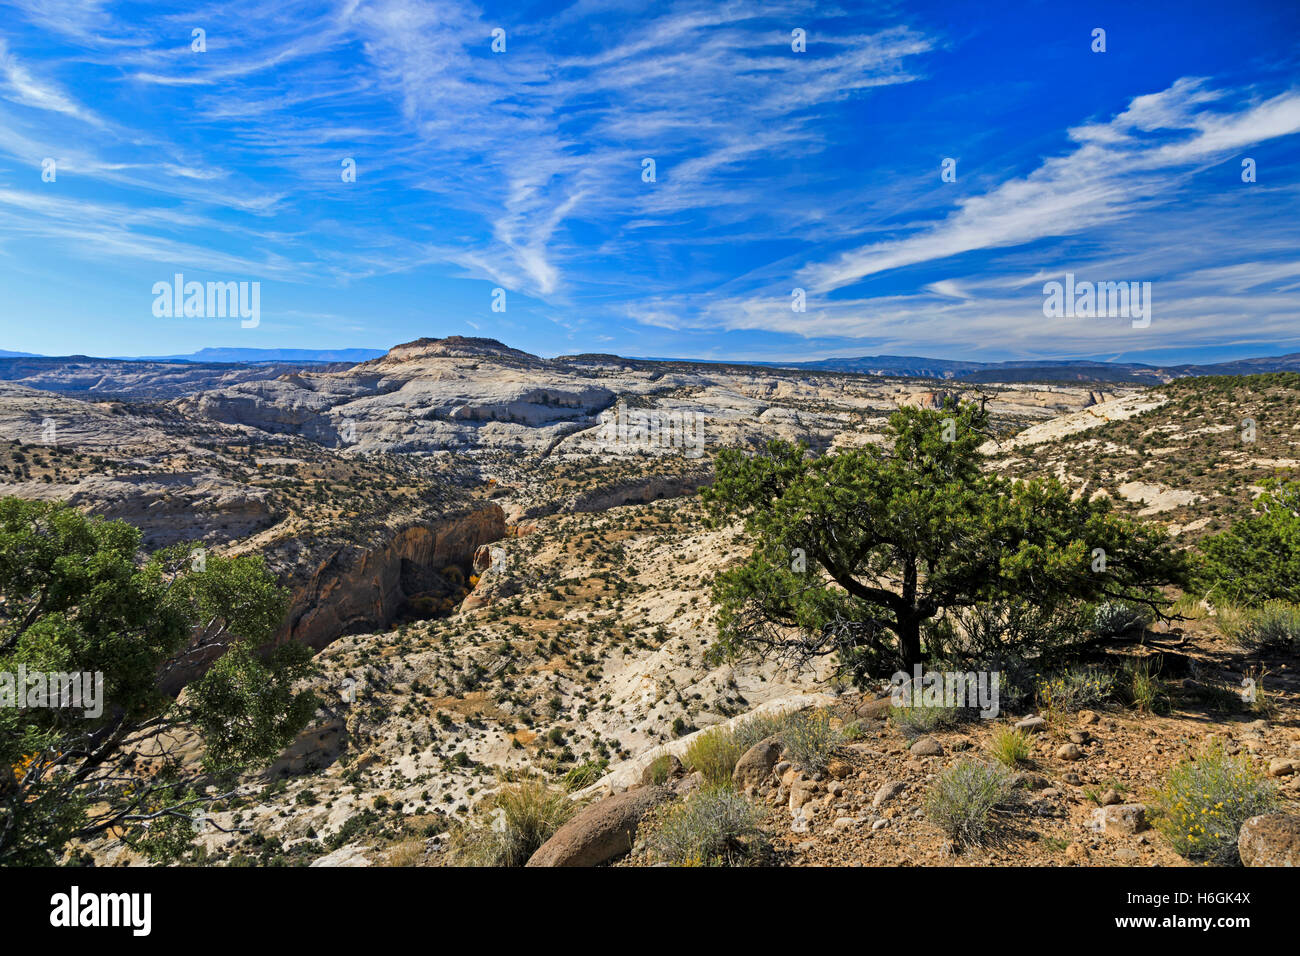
355, 588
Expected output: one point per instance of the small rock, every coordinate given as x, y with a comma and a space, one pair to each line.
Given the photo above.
874, 708
927, 747
839, 769
1087, 717
1281, 767
1069, 752
887, 792
1030, 781
1124, 818
880, 824
799, 795
1110, 798
689, 783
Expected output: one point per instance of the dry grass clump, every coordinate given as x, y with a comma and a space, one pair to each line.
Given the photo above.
513, 824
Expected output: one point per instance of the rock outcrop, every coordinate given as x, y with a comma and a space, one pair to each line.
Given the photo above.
357, 588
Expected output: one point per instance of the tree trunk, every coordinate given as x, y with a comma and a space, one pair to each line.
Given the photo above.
909, 624
909, 641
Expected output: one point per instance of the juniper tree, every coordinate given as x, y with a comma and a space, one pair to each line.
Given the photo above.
854, 551
77, 597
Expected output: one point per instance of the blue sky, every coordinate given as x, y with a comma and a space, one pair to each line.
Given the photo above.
775, 170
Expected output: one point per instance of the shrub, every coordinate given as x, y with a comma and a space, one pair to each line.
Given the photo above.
406, 853
518, 820
962, 798
1191, 607
1231, 620
1116, 619
1075, 688
714, 753
914, 720
760, 727
810, 740
1010, 747
712, 827
1274, 627
1205, 800
1258, 558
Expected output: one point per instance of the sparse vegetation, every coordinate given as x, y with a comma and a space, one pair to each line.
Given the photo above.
916, 719
1273, 627
1075, 688
1117, 619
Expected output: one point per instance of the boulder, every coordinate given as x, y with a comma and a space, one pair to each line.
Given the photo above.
1271, 839
600, 832
755, 765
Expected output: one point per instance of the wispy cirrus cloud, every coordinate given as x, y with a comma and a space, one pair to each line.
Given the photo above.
1113, 175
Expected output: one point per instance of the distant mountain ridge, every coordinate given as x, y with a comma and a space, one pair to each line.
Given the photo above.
903, 366
1066, 370
242, 356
